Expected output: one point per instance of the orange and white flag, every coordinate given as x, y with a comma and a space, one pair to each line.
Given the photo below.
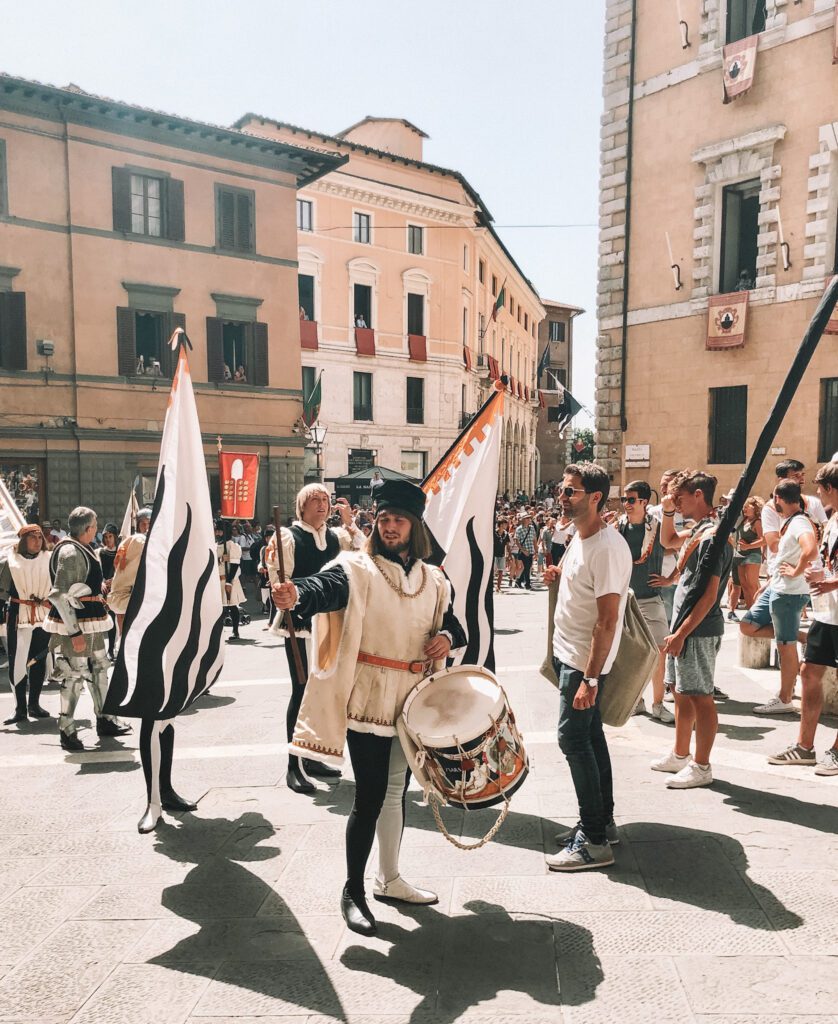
460, 514
739, 63
727, 316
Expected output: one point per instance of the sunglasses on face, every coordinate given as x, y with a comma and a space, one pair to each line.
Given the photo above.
568, 492
628, 501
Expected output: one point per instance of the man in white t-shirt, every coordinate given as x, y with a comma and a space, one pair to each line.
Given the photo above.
772, 521
822, 642
776, 614
593, 590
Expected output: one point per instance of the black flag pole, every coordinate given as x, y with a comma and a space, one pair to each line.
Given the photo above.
808, 345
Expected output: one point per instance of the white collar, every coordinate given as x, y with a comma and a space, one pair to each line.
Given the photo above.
319, 535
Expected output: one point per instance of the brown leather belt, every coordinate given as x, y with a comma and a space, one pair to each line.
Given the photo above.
416, 667
21, 600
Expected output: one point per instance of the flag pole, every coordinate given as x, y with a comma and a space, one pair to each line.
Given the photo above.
289, 625
496, 391
766, 438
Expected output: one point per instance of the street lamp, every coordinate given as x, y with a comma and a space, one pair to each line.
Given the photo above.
318, 437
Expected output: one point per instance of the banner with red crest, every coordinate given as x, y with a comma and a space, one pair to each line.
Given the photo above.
739, 64
238, 476
726, 319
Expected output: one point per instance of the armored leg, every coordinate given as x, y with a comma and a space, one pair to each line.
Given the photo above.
72, 674
106, 725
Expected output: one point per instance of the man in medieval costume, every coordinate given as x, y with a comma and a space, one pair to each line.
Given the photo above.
383, 619
25, 583
126, 563
307, 545
78, 623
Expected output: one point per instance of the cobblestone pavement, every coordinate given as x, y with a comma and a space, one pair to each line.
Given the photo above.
722, 905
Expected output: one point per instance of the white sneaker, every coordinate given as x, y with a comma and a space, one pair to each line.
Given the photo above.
640, 707
669, 697
670, 762
662, 714
691, 776
399, 891
828, 765
775, 707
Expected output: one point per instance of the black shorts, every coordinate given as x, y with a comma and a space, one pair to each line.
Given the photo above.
822, 645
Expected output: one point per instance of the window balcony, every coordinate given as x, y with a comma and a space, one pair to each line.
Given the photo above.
417, 347
308, 334
365, 341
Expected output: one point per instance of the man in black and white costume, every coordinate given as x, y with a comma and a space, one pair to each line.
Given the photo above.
229, 573
383, 618
79, 623
307, 545
25, 583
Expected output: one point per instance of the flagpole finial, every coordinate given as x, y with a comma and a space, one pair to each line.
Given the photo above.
500, 385
218, 442
179, 337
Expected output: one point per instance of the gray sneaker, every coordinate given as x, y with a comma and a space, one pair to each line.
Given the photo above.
569, 834
581, 855
828, 765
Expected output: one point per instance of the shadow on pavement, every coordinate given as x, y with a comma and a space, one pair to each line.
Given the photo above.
777, 807
270, 956
457, 963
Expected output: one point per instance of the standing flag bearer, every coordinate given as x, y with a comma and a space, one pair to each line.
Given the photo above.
171, 649
460, 514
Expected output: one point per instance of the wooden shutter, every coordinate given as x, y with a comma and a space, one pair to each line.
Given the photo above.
215, 349
126, 341
175, 228
13, 330
121, 198
226, 219
260, 355
244, 222
167, 360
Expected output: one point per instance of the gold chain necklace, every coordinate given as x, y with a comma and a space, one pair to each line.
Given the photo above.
397, 587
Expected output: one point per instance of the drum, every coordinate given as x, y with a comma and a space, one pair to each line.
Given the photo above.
467, 745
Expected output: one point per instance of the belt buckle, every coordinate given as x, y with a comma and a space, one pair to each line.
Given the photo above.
418, 668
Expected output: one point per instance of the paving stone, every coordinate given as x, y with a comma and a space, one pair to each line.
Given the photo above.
761, 985
85, 942
594, 990
365, 986
802, 906
246, 939
556, 892
31, 913
145, 994
761, 1019
197, 902
666, 933
49, 990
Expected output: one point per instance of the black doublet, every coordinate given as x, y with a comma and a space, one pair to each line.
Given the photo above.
309, 559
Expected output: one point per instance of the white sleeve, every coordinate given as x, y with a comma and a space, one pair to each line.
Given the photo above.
611, 569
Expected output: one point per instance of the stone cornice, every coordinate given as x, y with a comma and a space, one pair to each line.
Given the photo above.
393, 199
751, 140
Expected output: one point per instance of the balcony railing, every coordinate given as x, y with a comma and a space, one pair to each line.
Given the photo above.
365, 341
417, 347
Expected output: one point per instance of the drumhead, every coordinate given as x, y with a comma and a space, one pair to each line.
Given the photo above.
457, 704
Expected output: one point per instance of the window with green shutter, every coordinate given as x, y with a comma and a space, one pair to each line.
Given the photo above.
727, 432
13, 330
234, 219
828, 419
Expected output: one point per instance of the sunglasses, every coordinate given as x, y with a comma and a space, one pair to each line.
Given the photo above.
568, 492
628, 501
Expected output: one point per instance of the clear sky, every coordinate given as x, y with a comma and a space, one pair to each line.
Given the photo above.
509, 94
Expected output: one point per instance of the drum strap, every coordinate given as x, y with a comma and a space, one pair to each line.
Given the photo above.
416, 667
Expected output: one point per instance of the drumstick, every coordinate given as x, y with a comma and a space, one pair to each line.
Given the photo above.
292, 636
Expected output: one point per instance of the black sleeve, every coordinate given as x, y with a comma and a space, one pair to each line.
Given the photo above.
232, 571
326, 591
451, 624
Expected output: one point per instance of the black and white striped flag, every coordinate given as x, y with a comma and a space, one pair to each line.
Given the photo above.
171, 649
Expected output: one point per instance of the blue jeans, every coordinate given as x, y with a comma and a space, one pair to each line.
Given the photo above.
582, 742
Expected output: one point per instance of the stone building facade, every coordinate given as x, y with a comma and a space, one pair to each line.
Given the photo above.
700, 198
556, 332
400, 269
118, 224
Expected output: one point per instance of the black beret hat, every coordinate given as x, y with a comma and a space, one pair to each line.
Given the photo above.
399, 495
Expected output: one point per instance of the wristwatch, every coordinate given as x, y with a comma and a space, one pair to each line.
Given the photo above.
590, 681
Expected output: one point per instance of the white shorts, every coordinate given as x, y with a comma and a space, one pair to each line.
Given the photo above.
653, 611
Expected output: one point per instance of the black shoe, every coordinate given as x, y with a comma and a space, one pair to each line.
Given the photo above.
107, 727
719, 694
172, 802
148, 822
320, 771
357, 914
296, 781
18, 717
36, 711
70, 741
